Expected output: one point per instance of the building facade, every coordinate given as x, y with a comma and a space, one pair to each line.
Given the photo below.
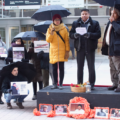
14, 21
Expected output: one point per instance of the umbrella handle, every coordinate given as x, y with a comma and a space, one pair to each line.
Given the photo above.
114, 4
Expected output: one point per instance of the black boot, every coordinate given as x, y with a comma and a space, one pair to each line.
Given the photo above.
54, 86
1, 102
112, 88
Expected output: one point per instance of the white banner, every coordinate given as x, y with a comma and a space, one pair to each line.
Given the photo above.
41, 46
66, 3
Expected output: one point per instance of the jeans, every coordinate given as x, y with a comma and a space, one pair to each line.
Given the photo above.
19, 98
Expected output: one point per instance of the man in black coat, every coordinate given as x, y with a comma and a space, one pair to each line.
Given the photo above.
6, 88
86, 44
111, 47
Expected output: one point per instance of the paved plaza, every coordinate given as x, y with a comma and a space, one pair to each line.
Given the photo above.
102, 78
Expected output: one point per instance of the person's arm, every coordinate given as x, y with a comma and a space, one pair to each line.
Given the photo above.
26, 59
67, 44
49, 36
116, 27
10, 56
5, 85
97, 33
72, 31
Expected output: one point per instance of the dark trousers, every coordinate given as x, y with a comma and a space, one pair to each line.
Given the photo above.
90, 57
0, 94
35, 86
55, 73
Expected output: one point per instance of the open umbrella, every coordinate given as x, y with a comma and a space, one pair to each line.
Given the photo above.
43, 26
110, 3
29, 34
24, 69
46, 13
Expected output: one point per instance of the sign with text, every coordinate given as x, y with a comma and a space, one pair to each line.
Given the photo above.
66, 3
41, 46
22, 4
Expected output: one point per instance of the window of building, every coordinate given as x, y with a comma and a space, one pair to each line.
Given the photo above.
2, 33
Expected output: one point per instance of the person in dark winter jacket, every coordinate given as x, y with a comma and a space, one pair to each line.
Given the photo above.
36, 62
111, 47
2, 64
86, 44
6, 88
16, 43
44, 63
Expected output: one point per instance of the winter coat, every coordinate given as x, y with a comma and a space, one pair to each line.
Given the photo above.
93, 29
57, 47
36, 62
10, 54
44, 60
114, 45
7, 80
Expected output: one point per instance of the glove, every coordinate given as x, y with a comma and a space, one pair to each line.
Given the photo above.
40, 54
76, 35
9, 90
86, 35
66, 54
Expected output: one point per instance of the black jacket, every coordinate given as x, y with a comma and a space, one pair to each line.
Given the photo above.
10, 56
11, 78
114, 45
44, 60
93, 29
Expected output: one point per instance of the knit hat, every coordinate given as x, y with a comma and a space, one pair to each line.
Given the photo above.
56, 16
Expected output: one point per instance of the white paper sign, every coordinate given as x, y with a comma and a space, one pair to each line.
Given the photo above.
41, 46
18, 54
19, 88
81, 30
3, 52
66, 3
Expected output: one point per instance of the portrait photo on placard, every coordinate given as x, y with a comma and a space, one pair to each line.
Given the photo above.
60, 109
101, 113
77, 108
45, 108
115, 113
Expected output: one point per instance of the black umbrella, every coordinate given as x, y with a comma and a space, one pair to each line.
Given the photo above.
110, 3
43, 26
46, 13
29, 34
24, 69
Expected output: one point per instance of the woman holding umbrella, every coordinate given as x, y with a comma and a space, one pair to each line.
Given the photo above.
18, 42
58, 37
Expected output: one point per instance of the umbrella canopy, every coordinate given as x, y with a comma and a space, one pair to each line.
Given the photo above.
46, 13
24, 69
29, 34
43, 26
110, 3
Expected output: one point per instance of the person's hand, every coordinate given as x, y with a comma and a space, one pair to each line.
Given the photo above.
111, 18
86, 35
66, 54
76, 35
52, 30
9, 90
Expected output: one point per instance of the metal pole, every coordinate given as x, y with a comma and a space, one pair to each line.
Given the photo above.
2, 8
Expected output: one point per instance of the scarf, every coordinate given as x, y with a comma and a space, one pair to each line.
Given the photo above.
16, 45
57, 27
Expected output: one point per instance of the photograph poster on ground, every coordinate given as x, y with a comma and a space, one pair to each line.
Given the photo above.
101, 112
77, 108
114, 114
60, 109
45, 108
18, 54
41, 46
19, 88
3, 52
